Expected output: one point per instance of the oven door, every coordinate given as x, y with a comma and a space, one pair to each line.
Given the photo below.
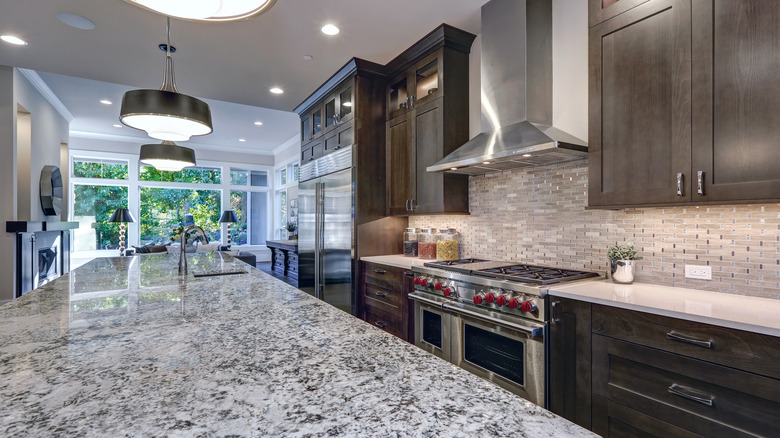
507, 353
431, 326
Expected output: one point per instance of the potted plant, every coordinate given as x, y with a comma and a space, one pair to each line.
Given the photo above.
621, 262
291, 227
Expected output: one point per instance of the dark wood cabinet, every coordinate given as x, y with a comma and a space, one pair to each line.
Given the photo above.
736, 57
683, 102
385, 292
284, 258
569, 389
640, 114
629, 373
427, 109
602, 10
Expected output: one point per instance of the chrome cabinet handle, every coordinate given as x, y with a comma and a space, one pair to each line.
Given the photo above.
680, 178
412, 205
311, 158
413, 99
381, 295
408, 102
700, 182
555, 307
380, 271
380, 324
674, 336
692, 394
407, 205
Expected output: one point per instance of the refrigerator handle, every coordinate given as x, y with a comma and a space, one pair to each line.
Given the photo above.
320, 244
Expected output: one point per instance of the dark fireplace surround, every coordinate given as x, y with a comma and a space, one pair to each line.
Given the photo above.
42, 252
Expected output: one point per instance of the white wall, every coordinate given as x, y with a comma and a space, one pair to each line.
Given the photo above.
7, 180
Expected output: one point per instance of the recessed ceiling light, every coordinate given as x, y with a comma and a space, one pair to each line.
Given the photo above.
347, 104
207, 10
330, 29
526, 155
242, 140
276, 90
76, 21
105, 101
259, 123
10, 39
117, 126
308, 57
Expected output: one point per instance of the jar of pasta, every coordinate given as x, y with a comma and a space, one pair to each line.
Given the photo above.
426, 244
410, 242
447, 244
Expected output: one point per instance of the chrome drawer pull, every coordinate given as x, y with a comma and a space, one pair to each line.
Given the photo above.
380, 324
680, 177
700, 182
674, 336
380, 294
380, 271
692, 394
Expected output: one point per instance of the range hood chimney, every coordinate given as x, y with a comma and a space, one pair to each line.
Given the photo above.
516, 70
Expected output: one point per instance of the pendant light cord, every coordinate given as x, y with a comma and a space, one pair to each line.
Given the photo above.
169, 83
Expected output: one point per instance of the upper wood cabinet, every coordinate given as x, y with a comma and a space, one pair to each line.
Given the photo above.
602, 10
683, 103
427, 108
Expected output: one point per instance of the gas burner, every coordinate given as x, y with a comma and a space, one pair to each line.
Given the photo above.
541, 275
454, 262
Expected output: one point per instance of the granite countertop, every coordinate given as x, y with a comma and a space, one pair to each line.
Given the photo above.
123, 347
754, 314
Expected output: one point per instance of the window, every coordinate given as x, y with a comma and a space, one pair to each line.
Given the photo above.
165, 211
97, 168
251, 209
196, 175
92, 207
286, 196
254, 178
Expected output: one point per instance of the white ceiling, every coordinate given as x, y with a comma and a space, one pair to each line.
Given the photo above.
223, 63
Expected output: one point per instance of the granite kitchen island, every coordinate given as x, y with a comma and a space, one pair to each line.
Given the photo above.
124, 347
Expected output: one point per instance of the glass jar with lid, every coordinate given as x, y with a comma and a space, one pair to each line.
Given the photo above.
410, 242
447, 244
426, 244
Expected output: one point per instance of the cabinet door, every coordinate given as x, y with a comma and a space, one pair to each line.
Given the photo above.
400, 165
427, 76
330, 110
398, 95
346, 103
736, 122
428, 143
602, 10
570, 341
640, 106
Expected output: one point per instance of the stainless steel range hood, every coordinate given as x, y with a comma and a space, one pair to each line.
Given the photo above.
516, 99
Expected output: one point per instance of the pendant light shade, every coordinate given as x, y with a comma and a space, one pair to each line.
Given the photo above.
167, 156
207, 10
166, 114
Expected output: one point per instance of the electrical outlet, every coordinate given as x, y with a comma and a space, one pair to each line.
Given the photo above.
698, 272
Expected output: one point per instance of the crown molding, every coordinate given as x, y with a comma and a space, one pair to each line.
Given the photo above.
140, 141
37, 81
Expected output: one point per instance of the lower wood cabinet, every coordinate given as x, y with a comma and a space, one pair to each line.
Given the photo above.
284, 258
627, 373
385, 291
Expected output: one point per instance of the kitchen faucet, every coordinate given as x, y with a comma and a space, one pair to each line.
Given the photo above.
183, 252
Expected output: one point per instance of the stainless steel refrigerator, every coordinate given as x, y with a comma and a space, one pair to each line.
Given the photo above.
326, 230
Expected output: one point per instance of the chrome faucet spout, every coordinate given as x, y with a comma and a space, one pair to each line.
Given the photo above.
183, 253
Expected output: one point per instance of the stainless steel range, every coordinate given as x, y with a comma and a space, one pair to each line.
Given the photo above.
489, 318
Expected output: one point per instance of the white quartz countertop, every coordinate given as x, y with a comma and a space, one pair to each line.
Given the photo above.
125, 347
397, 260
754, 314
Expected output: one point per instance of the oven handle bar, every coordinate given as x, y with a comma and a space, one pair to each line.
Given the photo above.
428, 301
535, 332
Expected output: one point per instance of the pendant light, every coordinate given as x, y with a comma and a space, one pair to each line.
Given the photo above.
167, 156
207, 10
166, 114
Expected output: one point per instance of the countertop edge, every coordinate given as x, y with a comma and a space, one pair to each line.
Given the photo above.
669, 313
395, 260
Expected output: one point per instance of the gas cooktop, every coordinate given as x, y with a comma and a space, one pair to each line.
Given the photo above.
512, 271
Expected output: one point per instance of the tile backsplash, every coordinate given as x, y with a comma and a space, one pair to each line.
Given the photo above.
538, 215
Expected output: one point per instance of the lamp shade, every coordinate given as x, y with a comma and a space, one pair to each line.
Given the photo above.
122, 215
167, 156
207, 10
166, 115
228, 216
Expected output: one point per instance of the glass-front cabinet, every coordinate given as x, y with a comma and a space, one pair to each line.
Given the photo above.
311, 124
398, 96
419, 84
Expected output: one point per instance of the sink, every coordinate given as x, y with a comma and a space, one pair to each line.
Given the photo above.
218, 272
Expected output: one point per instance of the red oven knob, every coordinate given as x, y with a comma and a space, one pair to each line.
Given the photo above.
417, 281
478, 299
437, 286
527, 306
501, 300
424, 282
447, 291
513, 303
489, 298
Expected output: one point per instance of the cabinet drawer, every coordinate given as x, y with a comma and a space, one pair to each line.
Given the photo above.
388, 277
387, 296
701, 397
747, 351
612, 420
384, 320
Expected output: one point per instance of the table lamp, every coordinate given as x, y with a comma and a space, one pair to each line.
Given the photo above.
122, 216
229, 217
